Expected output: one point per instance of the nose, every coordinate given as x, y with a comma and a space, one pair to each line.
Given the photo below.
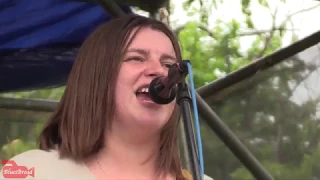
155, 69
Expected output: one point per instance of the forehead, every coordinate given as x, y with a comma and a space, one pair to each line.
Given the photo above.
152, 40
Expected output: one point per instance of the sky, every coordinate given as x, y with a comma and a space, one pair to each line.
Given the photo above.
304, 23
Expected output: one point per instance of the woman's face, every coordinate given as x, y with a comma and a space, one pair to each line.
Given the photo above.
149, 56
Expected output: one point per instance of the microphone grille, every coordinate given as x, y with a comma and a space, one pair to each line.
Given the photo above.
156, 91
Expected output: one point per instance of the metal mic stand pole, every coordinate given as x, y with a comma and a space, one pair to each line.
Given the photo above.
184, 101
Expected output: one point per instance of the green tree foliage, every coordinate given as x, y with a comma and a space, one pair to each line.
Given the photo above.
19, 129
281, 133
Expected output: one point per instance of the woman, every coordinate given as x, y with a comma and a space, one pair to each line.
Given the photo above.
106, 126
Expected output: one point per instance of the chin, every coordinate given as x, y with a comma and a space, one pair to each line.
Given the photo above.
151, 122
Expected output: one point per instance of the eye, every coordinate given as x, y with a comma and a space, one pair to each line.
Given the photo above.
167, 65
135, 58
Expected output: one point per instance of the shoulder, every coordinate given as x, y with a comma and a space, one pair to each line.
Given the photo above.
35, 156
27, 162
39, 164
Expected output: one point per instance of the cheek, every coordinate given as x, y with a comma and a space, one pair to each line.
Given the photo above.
121, 88
123, 80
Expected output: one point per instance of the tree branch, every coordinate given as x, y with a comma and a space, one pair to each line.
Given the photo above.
288, 18
278, 143
314, 140
299, 82
254, 32
259, 32
268, 38
240, 34
298, 12
200, 26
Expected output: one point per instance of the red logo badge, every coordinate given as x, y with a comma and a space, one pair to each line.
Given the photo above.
16, 171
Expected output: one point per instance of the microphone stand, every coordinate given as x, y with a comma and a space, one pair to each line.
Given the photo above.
184, 101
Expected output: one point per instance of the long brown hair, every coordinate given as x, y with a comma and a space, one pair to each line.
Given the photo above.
78, 125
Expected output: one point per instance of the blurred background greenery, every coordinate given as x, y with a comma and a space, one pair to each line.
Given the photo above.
275, 113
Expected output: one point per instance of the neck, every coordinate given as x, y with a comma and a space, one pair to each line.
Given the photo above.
129, 155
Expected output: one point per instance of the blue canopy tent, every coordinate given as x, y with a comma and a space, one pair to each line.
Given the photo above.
39, 40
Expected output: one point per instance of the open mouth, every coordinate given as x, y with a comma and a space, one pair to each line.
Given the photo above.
143, 94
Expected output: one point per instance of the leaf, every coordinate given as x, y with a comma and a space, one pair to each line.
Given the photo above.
249, 22
245, 4
264, 3
187, 4
191, 13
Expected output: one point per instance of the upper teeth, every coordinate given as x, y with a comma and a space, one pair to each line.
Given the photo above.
144, 90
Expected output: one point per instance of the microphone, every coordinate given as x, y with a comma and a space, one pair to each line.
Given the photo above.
162, 90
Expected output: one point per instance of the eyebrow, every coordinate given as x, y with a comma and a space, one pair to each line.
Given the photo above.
146, 53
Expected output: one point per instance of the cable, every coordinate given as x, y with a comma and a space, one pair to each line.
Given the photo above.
195, 110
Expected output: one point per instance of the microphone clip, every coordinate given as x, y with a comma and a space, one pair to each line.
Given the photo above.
163, 89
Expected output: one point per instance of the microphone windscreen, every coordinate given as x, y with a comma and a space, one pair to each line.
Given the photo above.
159, 94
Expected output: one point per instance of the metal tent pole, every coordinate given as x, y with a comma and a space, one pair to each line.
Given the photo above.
232, 141
111, 7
